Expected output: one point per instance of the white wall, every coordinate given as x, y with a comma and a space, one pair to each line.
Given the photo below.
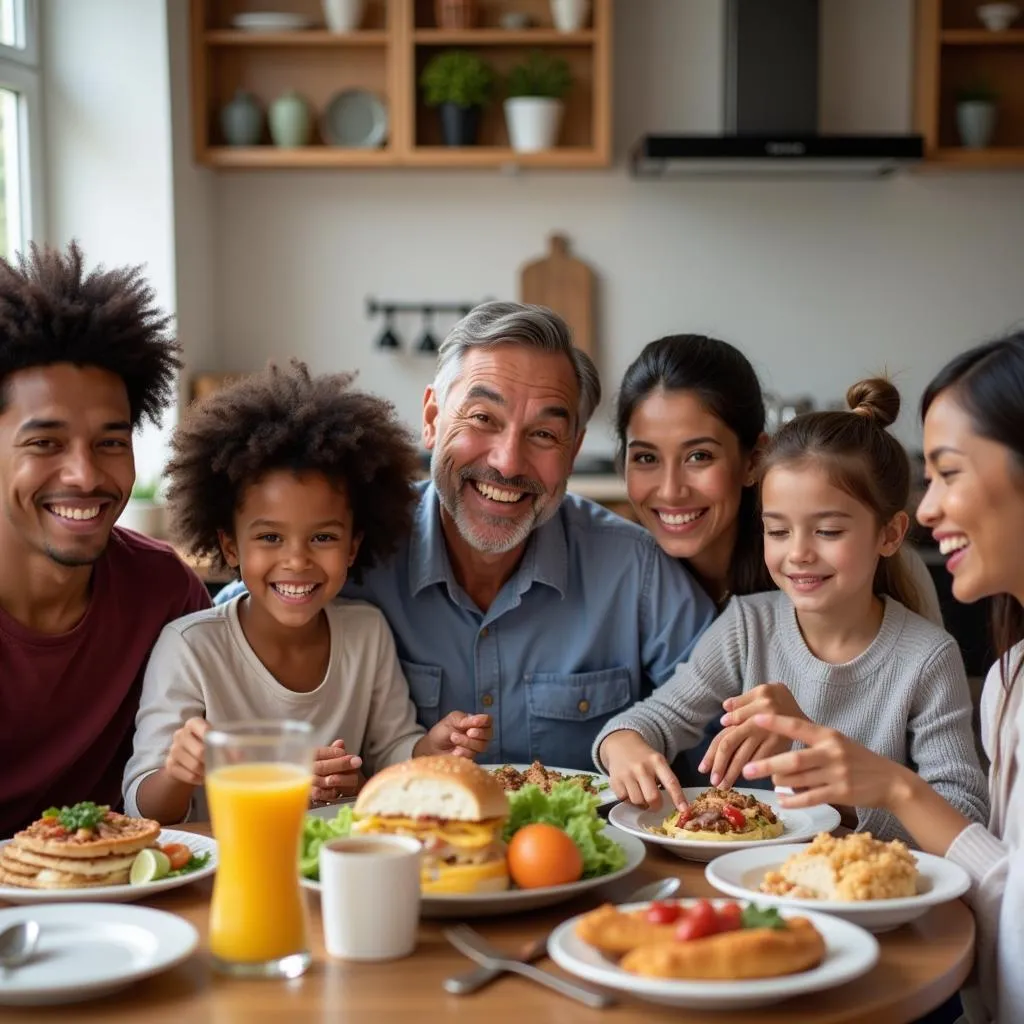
108, 139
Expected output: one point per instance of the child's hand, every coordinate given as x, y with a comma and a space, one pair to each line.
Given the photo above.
742, 741
185, 760
335, 773
459, 734
635, 770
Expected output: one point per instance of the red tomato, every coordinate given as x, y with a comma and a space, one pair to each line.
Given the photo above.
734, 816
540, 855
700, 921
663, 913
178, 854
683, 817
730, 917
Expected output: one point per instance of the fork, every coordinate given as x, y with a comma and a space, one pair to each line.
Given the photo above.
472, 944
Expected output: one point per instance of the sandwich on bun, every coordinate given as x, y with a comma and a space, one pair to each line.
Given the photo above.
456, 809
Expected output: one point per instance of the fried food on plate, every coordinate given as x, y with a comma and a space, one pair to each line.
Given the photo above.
512, 779
704, 942
722, 815
854, 867
86, 845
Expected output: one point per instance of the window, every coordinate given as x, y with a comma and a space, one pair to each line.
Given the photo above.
21, 129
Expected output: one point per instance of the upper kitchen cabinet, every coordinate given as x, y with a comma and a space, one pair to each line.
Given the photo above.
969, 100
267, 72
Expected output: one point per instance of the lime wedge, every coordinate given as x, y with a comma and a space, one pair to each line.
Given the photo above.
149, 866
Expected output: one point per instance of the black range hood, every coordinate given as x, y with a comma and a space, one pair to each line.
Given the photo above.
771, 109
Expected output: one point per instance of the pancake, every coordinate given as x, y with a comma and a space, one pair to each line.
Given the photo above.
85, 866
48, 879
114, 834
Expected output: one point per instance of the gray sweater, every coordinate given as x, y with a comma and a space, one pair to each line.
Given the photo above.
905, 697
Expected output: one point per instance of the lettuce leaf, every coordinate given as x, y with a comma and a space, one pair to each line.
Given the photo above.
573, 811
316, 832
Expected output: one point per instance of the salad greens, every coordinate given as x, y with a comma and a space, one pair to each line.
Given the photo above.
195, 862
573, 811
81, 815
316, 832
762, 917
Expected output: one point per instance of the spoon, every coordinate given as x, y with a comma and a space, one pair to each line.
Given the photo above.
472, 981
18, 943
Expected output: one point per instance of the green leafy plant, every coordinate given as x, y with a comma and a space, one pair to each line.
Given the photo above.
459, 77
145, 490
541, 74
977, 92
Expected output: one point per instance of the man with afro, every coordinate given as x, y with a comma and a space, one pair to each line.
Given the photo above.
85, 356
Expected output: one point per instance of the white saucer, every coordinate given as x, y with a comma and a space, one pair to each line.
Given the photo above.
604, 796
802, 824
270, 21
851, 952
740, 873
91, 949
121, 893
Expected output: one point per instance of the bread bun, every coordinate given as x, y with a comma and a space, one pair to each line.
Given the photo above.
450, 788
875, 398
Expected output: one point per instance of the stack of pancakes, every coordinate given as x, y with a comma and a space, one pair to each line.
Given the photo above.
38, 858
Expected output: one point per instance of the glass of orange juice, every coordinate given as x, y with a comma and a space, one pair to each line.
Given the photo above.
258, 778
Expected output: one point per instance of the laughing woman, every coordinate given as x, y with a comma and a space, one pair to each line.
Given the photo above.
974, 451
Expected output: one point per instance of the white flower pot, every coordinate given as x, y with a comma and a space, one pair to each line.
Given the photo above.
146, 517
343, 15
570, 15
975, 122
533, 122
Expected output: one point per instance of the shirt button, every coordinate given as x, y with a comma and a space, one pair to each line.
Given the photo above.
584, 706
483, 633
487, 700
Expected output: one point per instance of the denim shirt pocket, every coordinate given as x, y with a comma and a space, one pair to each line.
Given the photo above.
425, 690
567, 712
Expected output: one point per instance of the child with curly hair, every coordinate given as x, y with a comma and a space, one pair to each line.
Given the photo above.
292, 481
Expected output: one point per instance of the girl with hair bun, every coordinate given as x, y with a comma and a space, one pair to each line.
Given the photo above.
842, 632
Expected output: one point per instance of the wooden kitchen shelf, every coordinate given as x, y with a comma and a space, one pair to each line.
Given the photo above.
386, 56
953, 54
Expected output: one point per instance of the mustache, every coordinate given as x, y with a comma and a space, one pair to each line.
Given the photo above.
492, 476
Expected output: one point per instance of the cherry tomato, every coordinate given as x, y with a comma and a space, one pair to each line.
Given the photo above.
663, 913
734, 816
178, 854
699, 922
730, 917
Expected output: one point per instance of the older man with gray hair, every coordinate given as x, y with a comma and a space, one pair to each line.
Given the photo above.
511, 597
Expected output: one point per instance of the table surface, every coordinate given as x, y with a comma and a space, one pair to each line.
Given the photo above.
921, 965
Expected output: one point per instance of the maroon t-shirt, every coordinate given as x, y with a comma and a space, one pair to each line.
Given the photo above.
68, 702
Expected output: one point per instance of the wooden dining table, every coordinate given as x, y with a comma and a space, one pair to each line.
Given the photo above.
921, 965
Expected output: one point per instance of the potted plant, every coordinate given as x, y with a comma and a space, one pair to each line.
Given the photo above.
144, 512
975, 116
458, 83
533, 110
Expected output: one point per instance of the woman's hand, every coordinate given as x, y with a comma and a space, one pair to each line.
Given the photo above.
185, 760
459, 734
742, 740
831, 769
335, 774
635, 770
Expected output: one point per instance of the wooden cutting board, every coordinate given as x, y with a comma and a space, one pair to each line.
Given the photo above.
566, 285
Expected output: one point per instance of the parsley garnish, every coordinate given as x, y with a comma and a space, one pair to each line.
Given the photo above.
81, 815
762, 917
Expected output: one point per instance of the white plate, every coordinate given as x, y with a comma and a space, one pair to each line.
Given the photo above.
740, 873
270, 21
91, 949
850, 952
354, 118
802, 824
121, 893
512, 901
604, 796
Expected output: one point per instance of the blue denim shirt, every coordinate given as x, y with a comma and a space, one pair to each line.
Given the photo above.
594, 616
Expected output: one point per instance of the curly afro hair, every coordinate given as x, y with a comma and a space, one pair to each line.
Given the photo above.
53, 311
286, 419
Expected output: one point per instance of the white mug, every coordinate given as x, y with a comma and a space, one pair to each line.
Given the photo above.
570, 15
370, 896
343, 15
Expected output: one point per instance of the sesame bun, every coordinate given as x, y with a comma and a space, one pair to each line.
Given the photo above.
450, 788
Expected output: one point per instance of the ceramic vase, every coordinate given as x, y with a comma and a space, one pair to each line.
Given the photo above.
570, 15
343, 15
241, 120
291, 121
533, 122
975, 122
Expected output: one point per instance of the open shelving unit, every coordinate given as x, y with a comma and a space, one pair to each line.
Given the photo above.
386, 56
953, 52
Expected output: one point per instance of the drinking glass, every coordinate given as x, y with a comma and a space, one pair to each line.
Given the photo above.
258, 779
